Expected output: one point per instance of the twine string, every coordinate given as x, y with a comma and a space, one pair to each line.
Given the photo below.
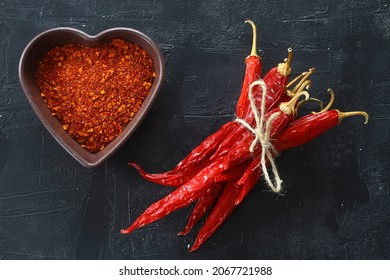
262, 133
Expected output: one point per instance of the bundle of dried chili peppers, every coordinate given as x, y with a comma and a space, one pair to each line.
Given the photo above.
219, 173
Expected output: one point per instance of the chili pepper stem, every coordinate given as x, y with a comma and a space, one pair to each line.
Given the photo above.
296, 79
289, 57
302, 83
343, 115
284, 68
327, 107
290, 107
254, 38
305, 85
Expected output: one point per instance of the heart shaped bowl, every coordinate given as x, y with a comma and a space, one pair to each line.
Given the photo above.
51, 38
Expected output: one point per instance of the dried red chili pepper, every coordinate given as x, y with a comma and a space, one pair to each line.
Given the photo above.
309, 127
252, 73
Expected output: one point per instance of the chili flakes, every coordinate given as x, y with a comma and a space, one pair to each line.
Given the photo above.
95, 92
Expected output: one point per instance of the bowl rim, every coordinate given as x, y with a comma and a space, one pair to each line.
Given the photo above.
83, 156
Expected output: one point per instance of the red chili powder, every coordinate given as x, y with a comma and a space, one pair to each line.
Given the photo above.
95, 92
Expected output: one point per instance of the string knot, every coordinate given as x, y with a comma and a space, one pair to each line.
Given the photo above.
262, 133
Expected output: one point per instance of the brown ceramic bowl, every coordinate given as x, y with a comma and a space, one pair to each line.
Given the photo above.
45, 41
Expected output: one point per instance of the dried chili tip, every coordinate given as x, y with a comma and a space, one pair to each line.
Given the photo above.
173, 178
126, 231
136, 166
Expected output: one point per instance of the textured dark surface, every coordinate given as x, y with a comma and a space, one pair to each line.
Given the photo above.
337, 203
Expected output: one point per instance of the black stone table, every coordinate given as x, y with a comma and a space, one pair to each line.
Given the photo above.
336, 203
